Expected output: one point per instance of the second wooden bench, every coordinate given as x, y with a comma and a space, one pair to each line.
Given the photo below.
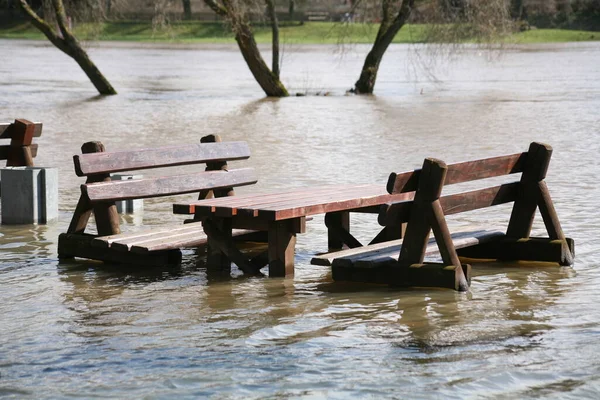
159, 245
401, 262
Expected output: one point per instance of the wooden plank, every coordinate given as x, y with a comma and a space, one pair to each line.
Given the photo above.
152, 232
301, 199
79, 245
250, 206
5, 151
89, 164
168, 185
370, 254
460, 240
6, 130
525, 249
181, 241
273, 198
462, 172
397, 212
338, 202
482, 198
209, 206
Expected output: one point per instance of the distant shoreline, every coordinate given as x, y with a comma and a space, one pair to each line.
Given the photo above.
309, 33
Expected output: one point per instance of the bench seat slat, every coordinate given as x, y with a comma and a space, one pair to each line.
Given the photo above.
152, 232
6, 131
382, 252
5, 151
107, 162
168, 185
159, 238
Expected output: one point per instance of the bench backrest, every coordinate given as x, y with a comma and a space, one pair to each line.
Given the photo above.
20, 151
100, 193
459, 173
427, 211
100, 164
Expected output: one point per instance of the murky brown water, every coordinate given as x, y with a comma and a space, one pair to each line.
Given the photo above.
83, 330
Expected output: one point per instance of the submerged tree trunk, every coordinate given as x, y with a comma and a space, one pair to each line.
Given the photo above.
187, 9
387, 31
267, 79
275, 40
68, 44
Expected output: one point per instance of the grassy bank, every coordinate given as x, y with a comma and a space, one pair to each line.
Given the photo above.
309, 33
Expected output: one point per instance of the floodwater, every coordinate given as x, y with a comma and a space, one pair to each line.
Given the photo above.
83, 330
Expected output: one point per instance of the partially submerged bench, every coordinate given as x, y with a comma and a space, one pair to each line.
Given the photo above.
401, 262
21, 150
159, 245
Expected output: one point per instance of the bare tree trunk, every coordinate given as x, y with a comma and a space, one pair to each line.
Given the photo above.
68, 44
268, 81
387, 31
291, 9
275, 40
187, 9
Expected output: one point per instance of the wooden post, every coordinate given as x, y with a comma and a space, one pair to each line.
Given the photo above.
418, 228
20, 150
427, 215
523, 212
282, 244
338, 231
215, 166
107, 218
219, 234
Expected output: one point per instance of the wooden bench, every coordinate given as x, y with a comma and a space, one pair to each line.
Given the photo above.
159, 245
21, 150
401, 262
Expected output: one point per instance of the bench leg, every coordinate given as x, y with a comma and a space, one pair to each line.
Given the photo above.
282, 245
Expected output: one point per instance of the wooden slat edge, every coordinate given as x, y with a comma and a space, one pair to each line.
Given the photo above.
485, 168
167, 185
461, 172
481, 198
107, 162
5, 150
5, 130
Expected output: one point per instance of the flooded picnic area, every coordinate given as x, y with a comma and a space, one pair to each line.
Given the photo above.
82, 329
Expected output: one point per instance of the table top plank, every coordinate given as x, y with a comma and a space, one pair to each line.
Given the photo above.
307, 198
274, 206
259, 202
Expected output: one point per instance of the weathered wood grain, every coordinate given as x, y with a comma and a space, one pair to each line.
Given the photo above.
108, 162
523, 212
167, 185
526, 249
7, 130
6, 149
79, 245
462, 172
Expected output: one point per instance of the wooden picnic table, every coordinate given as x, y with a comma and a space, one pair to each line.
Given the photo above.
283, 215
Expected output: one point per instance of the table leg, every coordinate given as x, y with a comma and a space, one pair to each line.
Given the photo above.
215, 257
339, 220
282, 245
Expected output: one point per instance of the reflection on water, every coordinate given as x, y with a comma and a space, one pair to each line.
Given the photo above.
83, 329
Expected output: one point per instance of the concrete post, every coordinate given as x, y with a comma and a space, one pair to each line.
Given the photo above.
128, 206
29, 195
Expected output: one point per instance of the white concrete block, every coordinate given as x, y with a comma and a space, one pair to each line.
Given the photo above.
29, 195
128, 206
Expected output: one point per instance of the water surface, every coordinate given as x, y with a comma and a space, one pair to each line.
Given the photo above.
85, 330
